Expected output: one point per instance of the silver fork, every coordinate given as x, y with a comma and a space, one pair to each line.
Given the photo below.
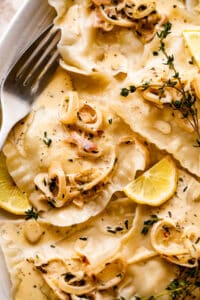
27, 79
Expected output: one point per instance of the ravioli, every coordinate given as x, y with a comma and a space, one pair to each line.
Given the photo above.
61, 251
98, 35
77, 152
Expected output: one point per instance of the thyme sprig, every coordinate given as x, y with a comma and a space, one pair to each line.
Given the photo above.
187, 102
185, 286
186, 98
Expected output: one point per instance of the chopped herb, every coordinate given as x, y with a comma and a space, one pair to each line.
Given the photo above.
118, 228
31, 214
149, 223
42, 268
185, 189
110, 121
145, 85
191, 61
47, 140
132, 89
145, 230
83, 238
170, 213
110, 230
126, 224
155, 53
198, 240
124, 92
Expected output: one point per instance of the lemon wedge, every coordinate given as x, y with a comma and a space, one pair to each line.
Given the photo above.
156, 185
192, 40
11, 198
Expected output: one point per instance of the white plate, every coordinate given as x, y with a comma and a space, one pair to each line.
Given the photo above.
25, 27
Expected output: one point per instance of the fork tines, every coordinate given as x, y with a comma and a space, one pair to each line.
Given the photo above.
36, 62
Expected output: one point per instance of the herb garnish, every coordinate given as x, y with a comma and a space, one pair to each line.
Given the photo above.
126, 224
31, 214
149, 223
42, 268
84, 238
186, 97
47, 140
124, 92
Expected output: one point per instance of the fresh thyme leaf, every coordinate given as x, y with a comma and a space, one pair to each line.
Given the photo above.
171, 83
124, 92
145, 230
149, 223
47, 140
176, 75
155, 53
31, 214
132, 89
170, 61
145, 85
165, 32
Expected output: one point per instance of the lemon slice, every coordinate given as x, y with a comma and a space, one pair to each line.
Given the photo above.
192, 40
156, 185
11, 198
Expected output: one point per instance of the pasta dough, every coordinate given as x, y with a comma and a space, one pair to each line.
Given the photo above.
83, 164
